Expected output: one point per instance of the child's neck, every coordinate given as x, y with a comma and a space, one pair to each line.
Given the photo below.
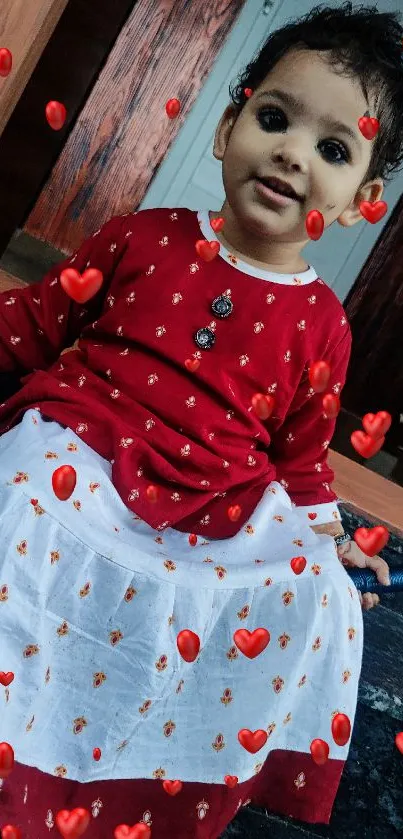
278, 266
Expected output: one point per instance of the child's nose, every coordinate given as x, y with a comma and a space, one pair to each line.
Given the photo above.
293, 154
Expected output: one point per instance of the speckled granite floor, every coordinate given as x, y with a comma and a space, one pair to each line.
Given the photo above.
369, 803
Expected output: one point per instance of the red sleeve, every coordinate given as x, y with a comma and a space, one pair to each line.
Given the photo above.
299, 446
39, 321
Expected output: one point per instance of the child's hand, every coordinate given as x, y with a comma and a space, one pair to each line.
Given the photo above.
352, 556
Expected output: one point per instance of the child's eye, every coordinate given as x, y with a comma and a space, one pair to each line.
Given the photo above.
272, 119
333, 151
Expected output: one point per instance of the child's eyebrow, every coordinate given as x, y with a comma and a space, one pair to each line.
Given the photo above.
292, 102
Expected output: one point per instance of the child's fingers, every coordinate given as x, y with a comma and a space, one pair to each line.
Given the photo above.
368, 601
381, 568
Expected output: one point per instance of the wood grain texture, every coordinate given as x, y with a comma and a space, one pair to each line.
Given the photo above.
25, 29
369, 493
166, 49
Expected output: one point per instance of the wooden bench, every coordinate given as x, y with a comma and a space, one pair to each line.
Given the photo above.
364, 491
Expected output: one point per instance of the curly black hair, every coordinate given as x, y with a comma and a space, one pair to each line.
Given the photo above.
362, 43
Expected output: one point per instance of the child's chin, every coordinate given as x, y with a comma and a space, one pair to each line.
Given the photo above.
265, 221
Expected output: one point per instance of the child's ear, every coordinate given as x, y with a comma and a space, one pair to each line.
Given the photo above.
223, 131
371, 191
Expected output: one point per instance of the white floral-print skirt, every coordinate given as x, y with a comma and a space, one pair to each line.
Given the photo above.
91, 604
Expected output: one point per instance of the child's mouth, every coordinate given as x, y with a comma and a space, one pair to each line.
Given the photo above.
276, 195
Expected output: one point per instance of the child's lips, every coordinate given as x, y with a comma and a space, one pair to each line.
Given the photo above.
275, 197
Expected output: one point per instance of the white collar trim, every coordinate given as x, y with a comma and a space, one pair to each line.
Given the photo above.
270, 276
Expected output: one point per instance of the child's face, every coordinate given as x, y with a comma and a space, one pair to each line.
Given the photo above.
298, 144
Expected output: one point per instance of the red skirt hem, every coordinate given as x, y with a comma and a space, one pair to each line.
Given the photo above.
289, 784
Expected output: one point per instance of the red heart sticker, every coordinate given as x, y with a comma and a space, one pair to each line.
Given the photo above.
56, 115
72, 823
319, 751
138, 831
96, 753
376, 425
248, 92
365, 445
64, 480
172, 108
331, 405
252, 741
217, 224
81, 287
6, 760
399, 741
341, 729
319, 375
234, 512
172, 787
298, 563
10, 831
192, 539
231, 781
188, 644
263, 405
207, 250
371, 540
6, 62
192, 364
373, 211
152, 493
253, 643
314, 224
312, 516
6, 678
369, 127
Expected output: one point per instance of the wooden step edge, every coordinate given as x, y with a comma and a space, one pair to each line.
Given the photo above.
370, 494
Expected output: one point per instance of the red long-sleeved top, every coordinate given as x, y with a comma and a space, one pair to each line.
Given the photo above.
127, 392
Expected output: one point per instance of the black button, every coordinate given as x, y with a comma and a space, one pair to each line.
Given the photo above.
205, 338
222, 306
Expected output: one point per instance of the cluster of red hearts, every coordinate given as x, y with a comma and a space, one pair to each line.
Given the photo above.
367, 443
370, 441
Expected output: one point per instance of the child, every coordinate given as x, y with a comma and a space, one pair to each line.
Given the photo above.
190, 512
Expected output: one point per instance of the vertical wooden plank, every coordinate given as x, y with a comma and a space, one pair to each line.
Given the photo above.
166, 49
25, 29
